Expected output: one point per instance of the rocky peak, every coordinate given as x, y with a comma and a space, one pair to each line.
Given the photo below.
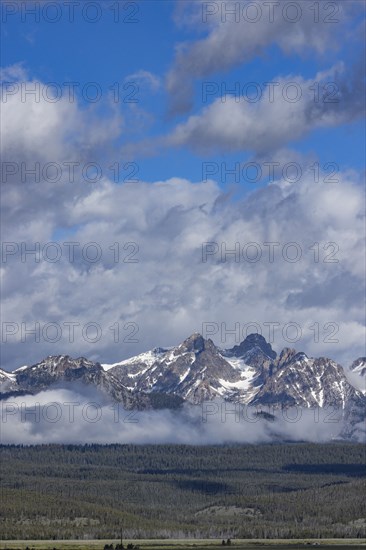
60, 363
55, 368
195, 343
253, 343
288, 355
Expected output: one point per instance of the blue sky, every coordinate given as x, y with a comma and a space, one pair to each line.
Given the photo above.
165, 59
107, 52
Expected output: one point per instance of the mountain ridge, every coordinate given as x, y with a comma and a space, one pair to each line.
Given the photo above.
197, 370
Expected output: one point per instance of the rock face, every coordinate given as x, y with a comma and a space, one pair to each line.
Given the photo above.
299, 380
65, 371
8, 382
257, 353
359, 366
254, 349
58, 368
196, 371
358, 373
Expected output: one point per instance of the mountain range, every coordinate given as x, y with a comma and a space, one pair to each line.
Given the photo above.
195, 371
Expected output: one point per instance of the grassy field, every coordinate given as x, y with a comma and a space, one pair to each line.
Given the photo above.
179, 544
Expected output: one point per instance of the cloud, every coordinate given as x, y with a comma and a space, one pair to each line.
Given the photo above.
137, 275
46, 148
283, 112
68, 416
255, 26
170, 292
35, 107
145, 77
13, 73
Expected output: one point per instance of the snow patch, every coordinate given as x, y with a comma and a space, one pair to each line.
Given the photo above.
148, 358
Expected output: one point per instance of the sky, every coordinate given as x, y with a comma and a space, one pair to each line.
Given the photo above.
181, 167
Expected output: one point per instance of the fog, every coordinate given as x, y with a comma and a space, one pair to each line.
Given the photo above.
68, 416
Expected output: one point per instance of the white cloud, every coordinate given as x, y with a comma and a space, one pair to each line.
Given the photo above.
13, 73
68, 416
230, 42
286, 111
31, 107
145, 77
170, 292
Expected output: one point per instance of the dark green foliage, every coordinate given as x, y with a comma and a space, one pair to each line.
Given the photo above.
243, 491
165, 401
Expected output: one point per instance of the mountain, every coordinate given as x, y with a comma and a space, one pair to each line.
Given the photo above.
298, 380
254, 352
357, 373
64, 371
7, 381
197, 370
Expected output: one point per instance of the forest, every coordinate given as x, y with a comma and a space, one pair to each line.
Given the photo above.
172, 491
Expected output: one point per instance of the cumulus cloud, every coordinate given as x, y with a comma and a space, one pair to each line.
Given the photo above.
169, 291
280, 113
241, 37
68, 416
47, 146
144, 282
80, 134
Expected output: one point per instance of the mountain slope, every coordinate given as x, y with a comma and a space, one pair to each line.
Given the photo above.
302, 381
8, 381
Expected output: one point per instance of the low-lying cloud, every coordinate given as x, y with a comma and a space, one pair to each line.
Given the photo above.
69, 416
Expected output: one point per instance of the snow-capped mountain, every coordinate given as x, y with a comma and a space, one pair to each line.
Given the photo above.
62, 369
299, 380
254, 350
197, 370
